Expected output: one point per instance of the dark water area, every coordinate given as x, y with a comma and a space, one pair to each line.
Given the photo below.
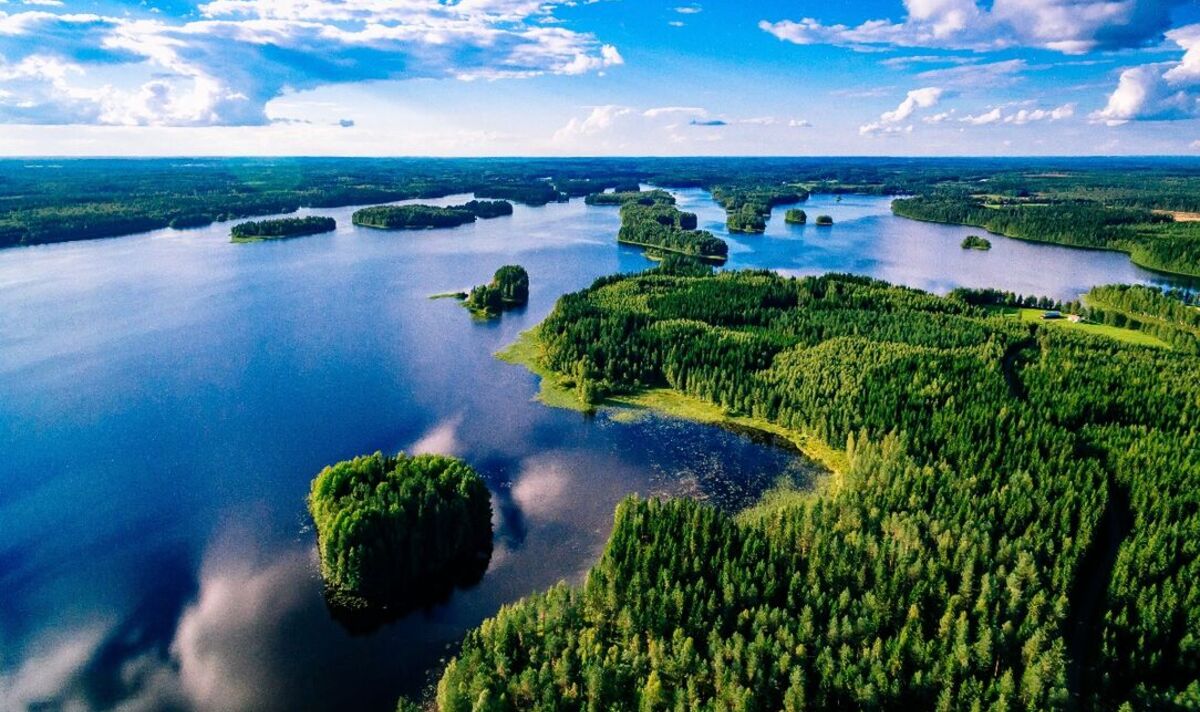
166, 398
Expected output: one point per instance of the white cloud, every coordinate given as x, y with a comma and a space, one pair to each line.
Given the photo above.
989, 117
689, 9
922, 98
939, 117
600, 119
1068, 26
972, 76
880, 129
800, 123
1025, 116
917, 99
1162, 91
665, 110
223, 69
1195, 145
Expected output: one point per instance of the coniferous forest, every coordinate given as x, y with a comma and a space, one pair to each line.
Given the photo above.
1015, 528
399, 531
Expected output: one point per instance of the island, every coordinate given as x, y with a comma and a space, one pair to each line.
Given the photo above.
642, 197
509, 288
257, 231
486, 209
795, 216
975, 242
424, 217
748, 205
662, 228
824, 220
995, 486
397, 531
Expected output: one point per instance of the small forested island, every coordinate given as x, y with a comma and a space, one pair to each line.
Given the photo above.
417, 217
748, 206
795, 216
975, 242
486, 209
509, 288
642, 197
824, 220
399, 531
1011, 524
256, 231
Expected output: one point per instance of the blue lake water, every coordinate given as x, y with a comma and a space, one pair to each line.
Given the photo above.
166, 398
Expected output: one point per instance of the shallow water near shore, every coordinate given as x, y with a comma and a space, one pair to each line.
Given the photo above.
166, 398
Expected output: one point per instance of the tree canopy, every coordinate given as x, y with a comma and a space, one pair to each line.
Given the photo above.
399, 530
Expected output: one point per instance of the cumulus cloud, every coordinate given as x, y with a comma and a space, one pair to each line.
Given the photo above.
922, 98
1163, 91
600, 119
989, 117
224, 68
1068, 26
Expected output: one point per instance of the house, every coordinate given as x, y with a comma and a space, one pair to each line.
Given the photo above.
1074, 318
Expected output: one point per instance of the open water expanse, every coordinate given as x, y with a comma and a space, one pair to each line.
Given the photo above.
166, 398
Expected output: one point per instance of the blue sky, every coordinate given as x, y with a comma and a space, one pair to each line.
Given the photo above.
600, 77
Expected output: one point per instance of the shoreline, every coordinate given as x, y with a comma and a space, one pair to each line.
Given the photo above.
525, 352
1127, 253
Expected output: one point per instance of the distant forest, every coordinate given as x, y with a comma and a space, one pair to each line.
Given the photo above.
1108, 203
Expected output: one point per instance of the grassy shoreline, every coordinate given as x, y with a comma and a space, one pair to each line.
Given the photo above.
526, 351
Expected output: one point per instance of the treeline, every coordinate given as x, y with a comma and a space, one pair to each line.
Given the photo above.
537, 193
1002, 298
748, 207
52, 201
1158, 313
641, 197
509, 288
400, 217
399, 531
654, 223
943, 569
1152, 240
283, 227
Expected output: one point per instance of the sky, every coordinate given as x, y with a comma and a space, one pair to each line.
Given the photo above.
600, 77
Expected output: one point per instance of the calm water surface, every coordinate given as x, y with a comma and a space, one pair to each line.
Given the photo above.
166, 398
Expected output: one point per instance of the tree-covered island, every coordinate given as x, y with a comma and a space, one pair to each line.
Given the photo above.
394, 532
975, 242
256, 231
748, 206
824, 220
796, 216
509, 288
422, 217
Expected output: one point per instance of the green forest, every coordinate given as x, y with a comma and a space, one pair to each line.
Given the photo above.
80, 199
1152, 239
282, 228
796, 216
509, 288
399, 530
1015, 529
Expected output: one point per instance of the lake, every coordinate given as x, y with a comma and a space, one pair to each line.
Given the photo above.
166, 398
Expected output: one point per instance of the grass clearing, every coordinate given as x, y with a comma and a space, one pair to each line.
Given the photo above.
1129, 336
